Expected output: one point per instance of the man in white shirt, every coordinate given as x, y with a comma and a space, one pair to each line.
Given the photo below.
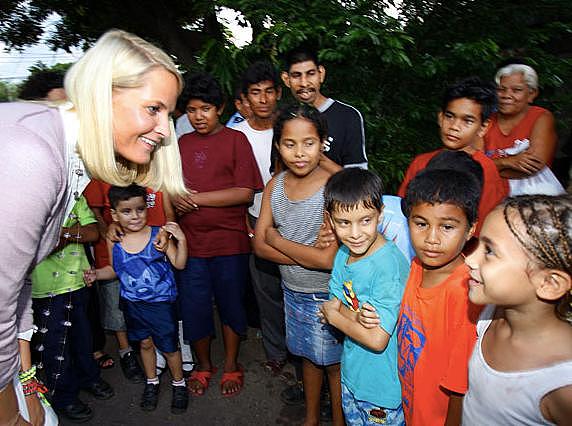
261, 91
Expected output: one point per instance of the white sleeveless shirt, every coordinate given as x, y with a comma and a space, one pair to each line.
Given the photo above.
508, 398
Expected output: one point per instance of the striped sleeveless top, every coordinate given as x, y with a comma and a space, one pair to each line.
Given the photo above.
299, 221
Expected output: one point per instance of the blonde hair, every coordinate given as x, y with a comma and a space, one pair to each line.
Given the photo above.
120, 60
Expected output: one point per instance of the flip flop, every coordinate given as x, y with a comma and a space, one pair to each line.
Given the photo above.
103, 361
203, 377
233, 376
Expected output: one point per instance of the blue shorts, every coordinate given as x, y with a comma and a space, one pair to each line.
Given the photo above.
221, 277
358, 412
157, 320
306, 336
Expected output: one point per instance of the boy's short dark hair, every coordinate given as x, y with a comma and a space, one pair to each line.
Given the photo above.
201, 86
40, 83
351, 188
483, 93
300, 54
440, 186
117, 194
457, 160
257, 72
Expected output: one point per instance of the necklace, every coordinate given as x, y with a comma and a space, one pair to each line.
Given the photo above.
74, 238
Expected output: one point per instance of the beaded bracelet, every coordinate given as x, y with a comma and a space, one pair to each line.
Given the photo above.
30, 387
35, 387
27, 375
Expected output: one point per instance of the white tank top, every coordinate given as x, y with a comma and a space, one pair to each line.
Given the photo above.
508, 398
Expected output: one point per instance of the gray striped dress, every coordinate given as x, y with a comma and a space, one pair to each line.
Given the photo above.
299, 221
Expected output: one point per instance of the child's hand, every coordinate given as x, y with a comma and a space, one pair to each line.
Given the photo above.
185, 204
114, 232
328, 309
368, 317
89, 276
271, 236
175, 230
161, 242
326, 236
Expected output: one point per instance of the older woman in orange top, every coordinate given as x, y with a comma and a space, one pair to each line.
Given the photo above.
522, 138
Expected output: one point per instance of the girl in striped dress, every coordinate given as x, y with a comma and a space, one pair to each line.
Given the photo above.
290, 218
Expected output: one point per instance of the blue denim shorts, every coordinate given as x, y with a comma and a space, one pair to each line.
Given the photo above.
306, 336
358, 412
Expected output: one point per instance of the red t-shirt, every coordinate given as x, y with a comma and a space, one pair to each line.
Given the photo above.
436, 333
210, 163
96, 195
494, 189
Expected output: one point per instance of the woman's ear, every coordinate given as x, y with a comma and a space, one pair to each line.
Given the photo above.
532, 94
554, 284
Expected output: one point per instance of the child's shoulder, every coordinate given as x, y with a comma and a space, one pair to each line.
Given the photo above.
424, 158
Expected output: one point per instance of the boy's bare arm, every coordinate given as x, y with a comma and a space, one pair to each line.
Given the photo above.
224, 197
77, 234
264, 224
455, 409
345, 320
329, 165
101, 224
168, 209
177, 251
105, 273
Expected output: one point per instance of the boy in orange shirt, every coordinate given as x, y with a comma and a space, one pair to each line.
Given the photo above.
463, 120
436, 330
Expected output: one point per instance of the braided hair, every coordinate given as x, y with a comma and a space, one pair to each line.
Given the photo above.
546, 234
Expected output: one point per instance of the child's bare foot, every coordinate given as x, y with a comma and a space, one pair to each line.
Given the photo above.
199, 380
232, 380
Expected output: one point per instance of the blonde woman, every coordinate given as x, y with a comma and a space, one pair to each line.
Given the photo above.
116, 128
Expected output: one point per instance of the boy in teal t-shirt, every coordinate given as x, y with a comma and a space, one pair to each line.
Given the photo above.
367, 269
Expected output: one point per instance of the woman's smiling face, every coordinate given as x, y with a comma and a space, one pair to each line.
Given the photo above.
514, 94
141, 115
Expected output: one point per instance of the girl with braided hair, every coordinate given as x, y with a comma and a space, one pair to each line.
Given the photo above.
521, 369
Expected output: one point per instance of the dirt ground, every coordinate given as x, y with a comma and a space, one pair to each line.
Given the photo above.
257, 404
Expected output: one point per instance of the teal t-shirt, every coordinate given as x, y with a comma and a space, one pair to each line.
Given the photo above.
378, 279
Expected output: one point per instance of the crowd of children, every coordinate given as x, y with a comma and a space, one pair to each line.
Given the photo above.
449, 304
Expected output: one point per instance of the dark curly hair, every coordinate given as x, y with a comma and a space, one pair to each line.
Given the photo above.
482, 92
201, 86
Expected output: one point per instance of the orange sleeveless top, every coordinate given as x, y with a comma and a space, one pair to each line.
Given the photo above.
496, 142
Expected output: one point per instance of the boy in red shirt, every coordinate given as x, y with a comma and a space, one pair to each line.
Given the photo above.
463, 121
222, 176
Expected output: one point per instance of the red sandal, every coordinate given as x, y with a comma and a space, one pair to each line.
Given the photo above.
233, 376
203, 377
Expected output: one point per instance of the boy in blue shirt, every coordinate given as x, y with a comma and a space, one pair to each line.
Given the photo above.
367, 269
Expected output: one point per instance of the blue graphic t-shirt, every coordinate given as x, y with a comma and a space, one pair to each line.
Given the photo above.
379, 280
146, 276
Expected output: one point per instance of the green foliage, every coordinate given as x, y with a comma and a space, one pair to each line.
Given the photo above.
8, 91
393, 71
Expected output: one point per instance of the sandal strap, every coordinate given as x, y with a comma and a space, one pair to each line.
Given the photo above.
203, 377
